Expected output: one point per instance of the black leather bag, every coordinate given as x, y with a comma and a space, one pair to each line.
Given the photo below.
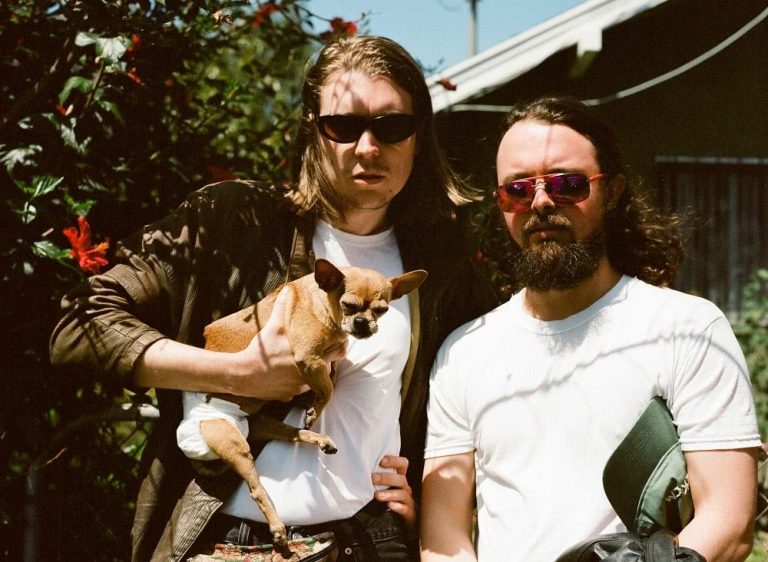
629, 547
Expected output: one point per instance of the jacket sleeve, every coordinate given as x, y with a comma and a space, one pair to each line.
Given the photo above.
110, 320
101, 329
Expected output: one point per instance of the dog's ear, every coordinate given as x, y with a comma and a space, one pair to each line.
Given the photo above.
327, 275
407, 282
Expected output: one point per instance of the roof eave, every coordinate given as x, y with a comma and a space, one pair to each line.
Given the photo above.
582, 25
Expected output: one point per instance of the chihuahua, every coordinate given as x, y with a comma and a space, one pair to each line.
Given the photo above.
323, 308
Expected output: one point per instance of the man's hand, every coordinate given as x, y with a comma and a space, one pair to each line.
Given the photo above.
268, 369
399, 495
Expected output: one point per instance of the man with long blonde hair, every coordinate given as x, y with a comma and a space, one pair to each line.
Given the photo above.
372, 190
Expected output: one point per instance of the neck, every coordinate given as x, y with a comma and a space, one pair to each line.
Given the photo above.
557, 304
362, 222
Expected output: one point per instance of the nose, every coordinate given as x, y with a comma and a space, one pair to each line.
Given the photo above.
542, 203
360, 323
367, 145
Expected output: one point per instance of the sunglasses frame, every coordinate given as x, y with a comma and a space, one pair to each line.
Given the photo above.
373, 124
542, 182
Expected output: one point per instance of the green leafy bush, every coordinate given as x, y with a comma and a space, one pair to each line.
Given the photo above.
752, 331
115, 110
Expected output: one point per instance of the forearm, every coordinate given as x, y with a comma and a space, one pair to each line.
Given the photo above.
170, 364
465, 553
714, 536
724, 491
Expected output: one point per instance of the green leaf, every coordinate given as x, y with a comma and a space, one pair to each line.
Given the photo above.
111, 49
44, 184
75, 83
84, 38
81, 207
54, 417
113, 108
47, 249
28, 213
19, 156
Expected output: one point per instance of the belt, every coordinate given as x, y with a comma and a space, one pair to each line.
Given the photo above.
248, 532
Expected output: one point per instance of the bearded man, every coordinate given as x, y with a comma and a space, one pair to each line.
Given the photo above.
528, 402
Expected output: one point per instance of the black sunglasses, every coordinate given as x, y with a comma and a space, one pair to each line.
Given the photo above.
389, 128
564, 189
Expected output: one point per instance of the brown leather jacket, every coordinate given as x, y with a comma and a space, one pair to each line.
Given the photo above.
226, 247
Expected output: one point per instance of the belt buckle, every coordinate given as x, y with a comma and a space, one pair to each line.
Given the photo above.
295, 532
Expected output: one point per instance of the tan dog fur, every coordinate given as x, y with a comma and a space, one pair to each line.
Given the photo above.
322, 309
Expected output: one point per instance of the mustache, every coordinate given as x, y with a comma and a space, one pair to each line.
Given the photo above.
537, 222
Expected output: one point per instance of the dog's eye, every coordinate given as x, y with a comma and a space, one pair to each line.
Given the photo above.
379, 310
350, 308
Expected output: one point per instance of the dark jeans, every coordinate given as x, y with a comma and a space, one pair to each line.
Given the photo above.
373, 534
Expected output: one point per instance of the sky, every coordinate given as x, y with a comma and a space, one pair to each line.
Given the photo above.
436, 32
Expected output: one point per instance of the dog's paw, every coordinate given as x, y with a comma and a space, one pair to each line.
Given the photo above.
310, 417
279, 538
327, 446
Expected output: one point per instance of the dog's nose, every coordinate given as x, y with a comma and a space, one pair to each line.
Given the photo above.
360, 323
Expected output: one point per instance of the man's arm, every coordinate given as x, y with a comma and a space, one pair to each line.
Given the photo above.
724, 492
265, 369
446, 508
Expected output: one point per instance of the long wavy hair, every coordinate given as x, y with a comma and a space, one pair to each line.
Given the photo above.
433, 190
641, 241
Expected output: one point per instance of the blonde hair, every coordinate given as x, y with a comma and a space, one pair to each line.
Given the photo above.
432, 191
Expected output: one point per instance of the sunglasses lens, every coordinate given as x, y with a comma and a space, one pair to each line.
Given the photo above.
569, 188
395, 127
564, 189
391, 128
341, 128
515, 196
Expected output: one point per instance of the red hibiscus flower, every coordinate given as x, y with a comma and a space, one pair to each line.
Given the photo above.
447, 84
135, 43
217, 173
133, 76
264, 13
64, 111
339, 26
90, 258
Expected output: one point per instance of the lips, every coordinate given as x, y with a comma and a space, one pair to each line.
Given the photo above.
545, 228
551, 224
368, 178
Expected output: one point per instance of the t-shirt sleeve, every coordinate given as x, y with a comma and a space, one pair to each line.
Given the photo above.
448, 428
711, 395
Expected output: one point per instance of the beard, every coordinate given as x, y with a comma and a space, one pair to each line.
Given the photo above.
552, 265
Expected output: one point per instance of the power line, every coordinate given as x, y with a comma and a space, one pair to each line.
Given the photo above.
643, 85
681, 69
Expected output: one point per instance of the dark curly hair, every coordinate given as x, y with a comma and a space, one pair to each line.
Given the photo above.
641, 241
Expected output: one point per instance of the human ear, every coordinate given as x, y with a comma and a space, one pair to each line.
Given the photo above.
615, 189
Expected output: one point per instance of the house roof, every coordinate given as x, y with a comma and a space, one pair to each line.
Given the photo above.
582, 26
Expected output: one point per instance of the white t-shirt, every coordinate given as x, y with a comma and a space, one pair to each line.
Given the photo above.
544, 404
306, 485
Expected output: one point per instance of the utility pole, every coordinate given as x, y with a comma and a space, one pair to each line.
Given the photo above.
473, 27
